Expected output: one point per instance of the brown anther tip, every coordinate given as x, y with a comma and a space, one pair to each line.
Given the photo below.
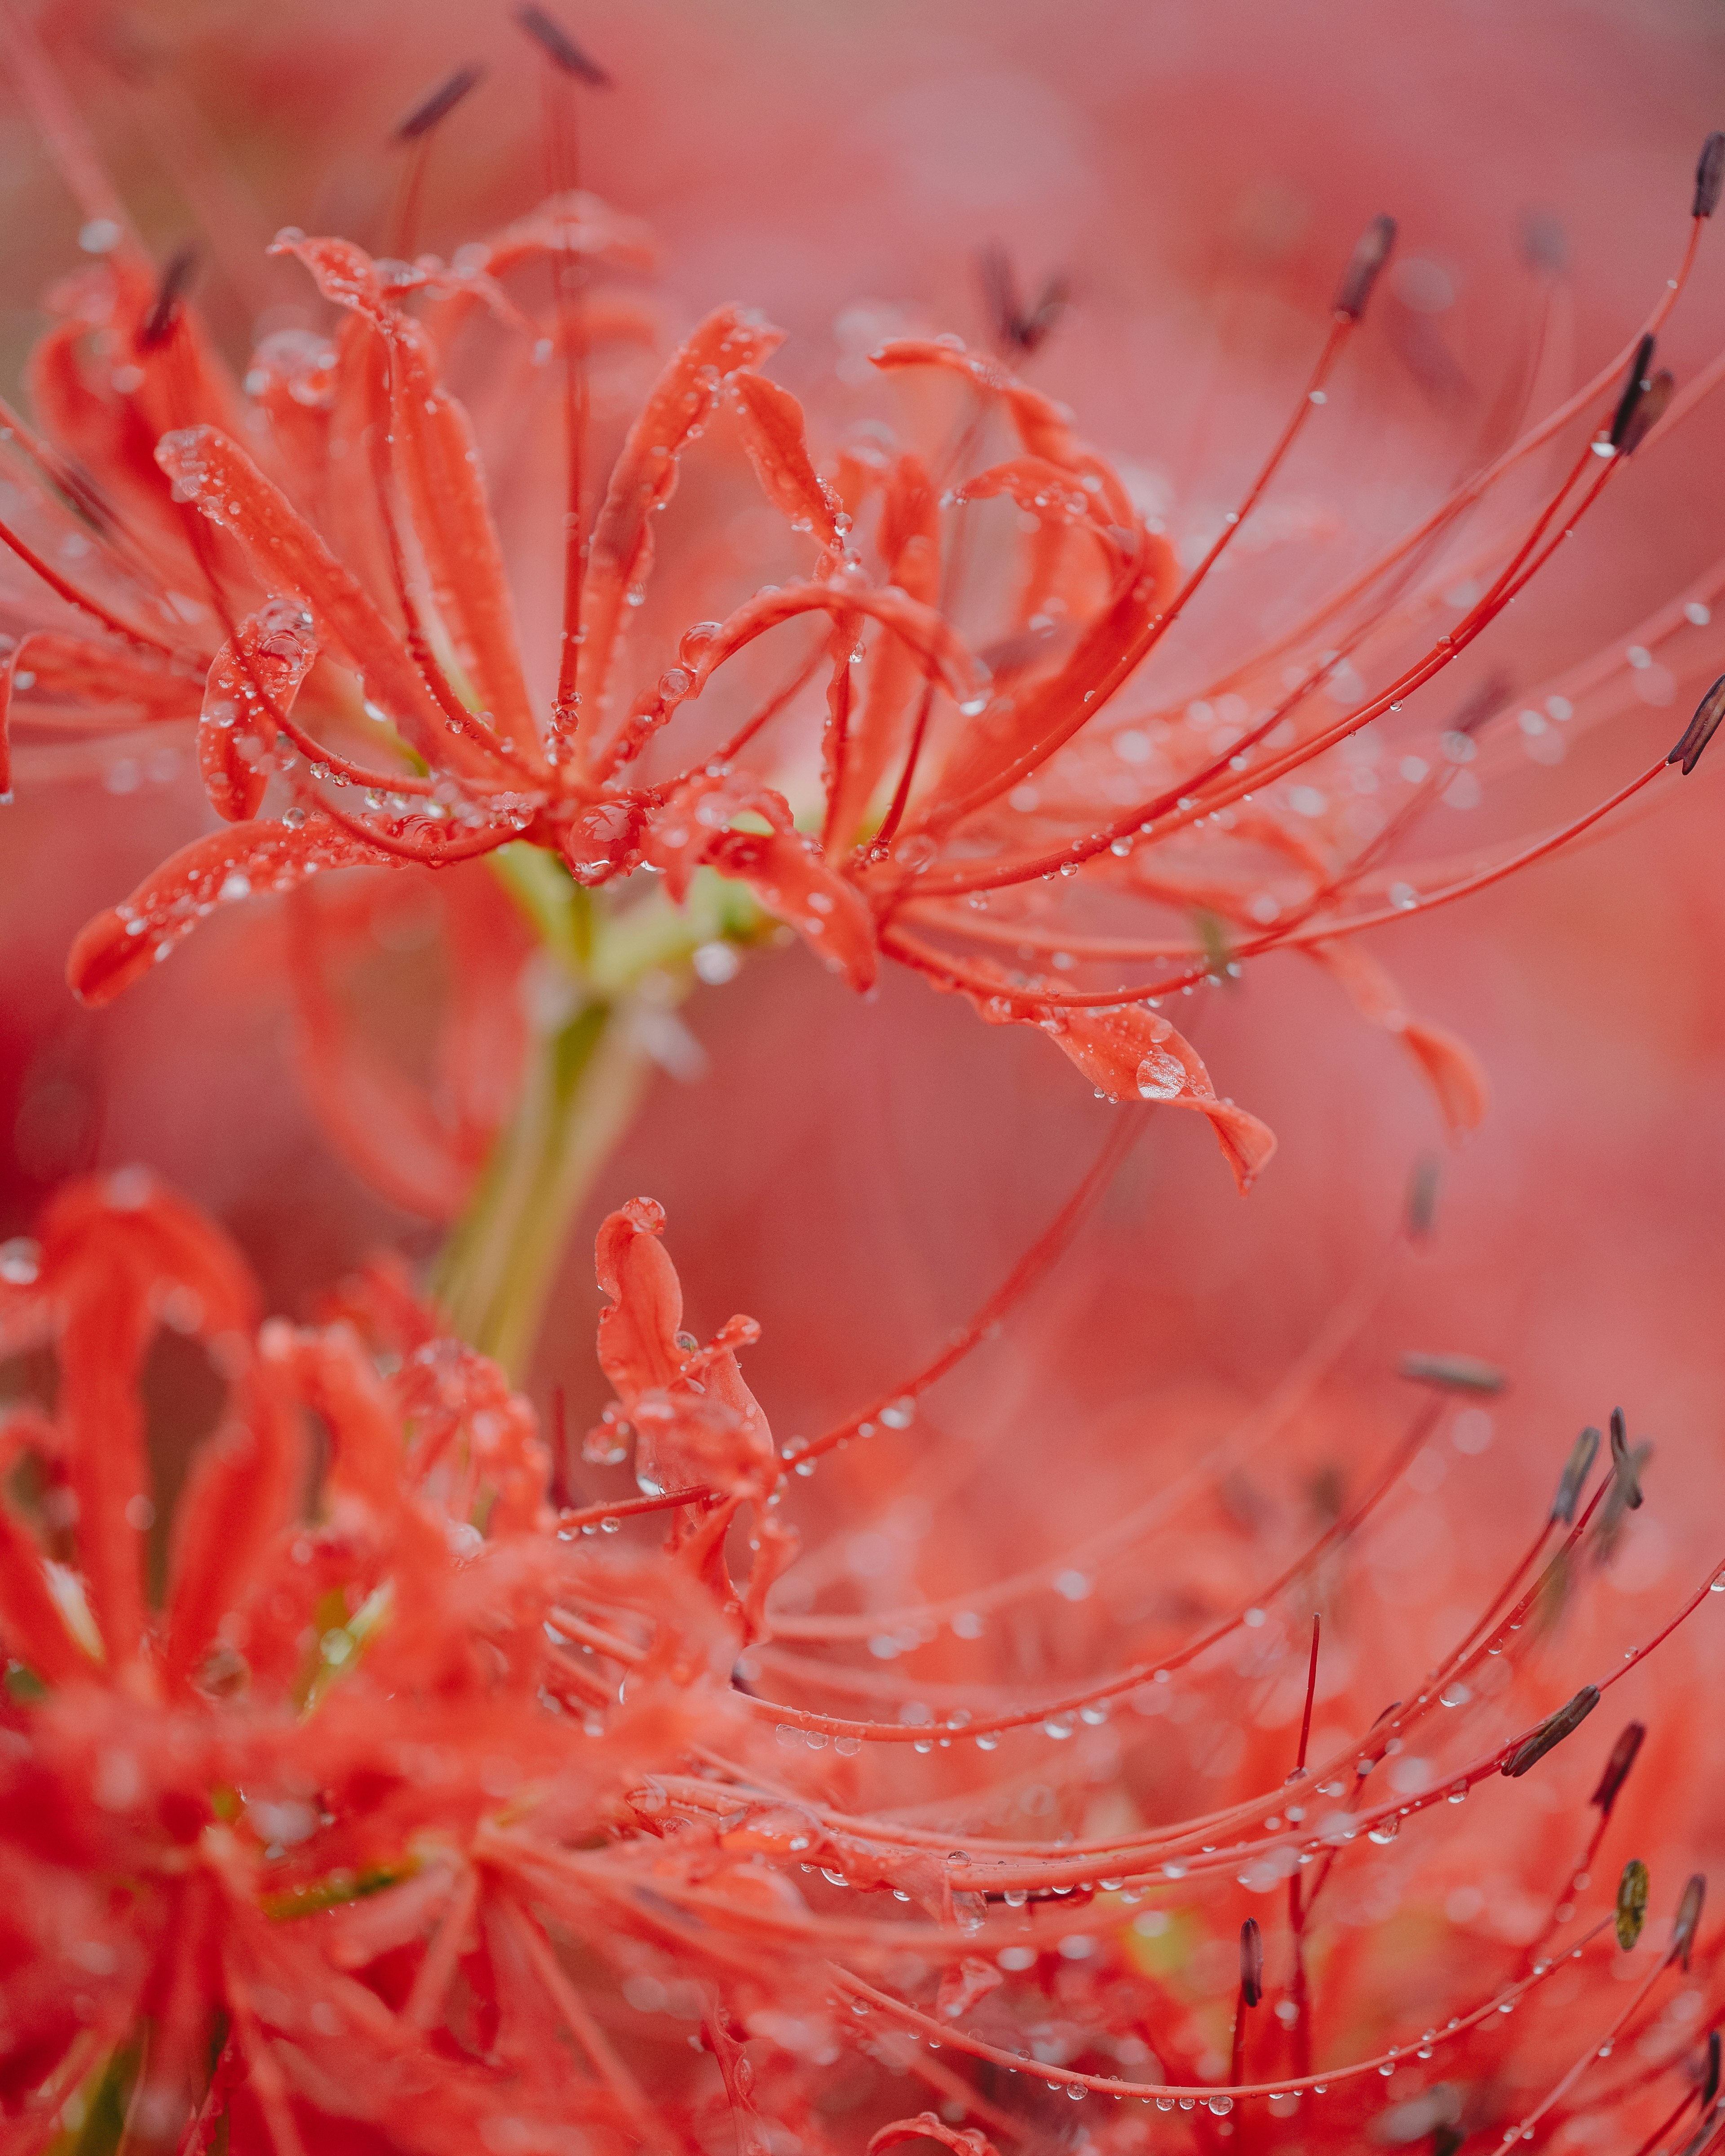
158, 323
1483, 703
1701, 729
1545, 244
1573, 1479
1251, 1963
1687, 1921
1648, 412
437, 104
1014, 326
1424, 1183
1364, 267
1710, 2086
1634, 390
1709, 176
1552, 1731
554, 41
1453, 1373
1626, 1465
1617, 1767
1631, 1902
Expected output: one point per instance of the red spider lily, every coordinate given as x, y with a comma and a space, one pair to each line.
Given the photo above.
416, 1816
1004, 797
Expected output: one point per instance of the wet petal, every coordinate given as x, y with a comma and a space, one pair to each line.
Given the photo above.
112, 950
254, 680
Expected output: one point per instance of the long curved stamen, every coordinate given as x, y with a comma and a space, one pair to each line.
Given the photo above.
569, 64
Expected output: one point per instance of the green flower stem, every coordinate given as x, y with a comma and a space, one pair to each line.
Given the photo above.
600, 969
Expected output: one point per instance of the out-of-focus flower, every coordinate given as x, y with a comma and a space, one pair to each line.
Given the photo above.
413, 1814
966, 768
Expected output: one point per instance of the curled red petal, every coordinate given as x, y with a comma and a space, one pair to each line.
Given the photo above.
34, 1632
636, 1337
644, 476
111, 951
1448, 1065
929, 2126
242, 1489
1130, 1055
217, 475
254, 680
775, 437
787, 874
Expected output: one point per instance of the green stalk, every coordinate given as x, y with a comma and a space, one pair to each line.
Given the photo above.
602, 969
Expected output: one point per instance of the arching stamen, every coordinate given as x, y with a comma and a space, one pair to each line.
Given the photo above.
570, 65
416, 130
1339, 1531
1353, 288
1024, 1275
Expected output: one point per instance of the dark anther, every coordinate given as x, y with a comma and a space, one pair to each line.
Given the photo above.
1617, 1767
1424, 1184
558, 47
438, 103
1482, 704
165, 307
1364, 267
1573, 1479
1552, 1731
1710, 2086
1545, 244
1625, 1464
1648, 412
1701, 729
1631, 1902
1016, 327
1454, 1374
1709, 176
1634, 390
1688, 1918
1251, 1963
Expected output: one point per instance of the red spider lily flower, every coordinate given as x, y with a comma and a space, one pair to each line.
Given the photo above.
1005, 799
414, 1816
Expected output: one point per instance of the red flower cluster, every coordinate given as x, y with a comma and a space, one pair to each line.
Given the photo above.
999, 797
413, 1814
